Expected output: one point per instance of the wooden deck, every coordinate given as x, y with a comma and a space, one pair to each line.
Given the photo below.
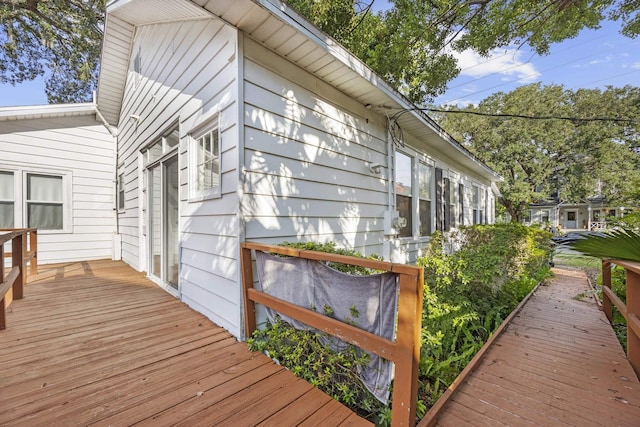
557, 364
96, 343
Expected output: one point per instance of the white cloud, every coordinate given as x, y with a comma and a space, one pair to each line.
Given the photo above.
636, 65
506, 63
607, 58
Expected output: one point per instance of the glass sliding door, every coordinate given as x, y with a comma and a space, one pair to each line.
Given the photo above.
164, 221
171, 221
162, 173
155, 220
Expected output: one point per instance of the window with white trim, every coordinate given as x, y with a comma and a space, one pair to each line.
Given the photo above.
7, 200
205, 163
478, 205
45, 202
404, 192
425, 178
452, 204
120, 191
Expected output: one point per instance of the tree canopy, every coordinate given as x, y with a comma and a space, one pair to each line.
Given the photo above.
410, 43
571, 160
60, 39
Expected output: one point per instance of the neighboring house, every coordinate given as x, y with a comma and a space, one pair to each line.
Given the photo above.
238, 120
591, 215
57, 175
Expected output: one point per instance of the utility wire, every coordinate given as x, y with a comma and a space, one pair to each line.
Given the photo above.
524, 116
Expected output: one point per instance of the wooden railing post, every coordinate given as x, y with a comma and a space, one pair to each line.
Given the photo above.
3, 319
18, 259
33, 248
247, 283
404, 352
405, 387
607, 307
633, 311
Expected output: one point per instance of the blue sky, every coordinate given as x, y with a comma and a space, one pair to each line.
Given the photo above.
594, 59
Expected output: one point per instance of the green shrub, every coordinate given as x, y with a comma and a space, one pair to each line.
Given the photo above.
304, 354
467, 295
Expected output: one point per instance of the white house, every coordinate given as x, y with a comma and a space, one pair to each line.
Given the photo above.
57, 175
239, 120
589, 215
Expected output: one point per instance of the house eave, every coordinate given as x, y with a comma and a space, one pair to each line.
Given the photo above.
275, 25
47, 111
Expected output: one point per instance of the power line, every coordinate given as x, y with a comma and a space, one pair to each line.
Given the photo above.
524, 116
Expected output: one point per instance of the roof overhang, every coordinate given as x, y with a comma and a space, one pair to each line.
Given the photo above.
281, 29
47, 111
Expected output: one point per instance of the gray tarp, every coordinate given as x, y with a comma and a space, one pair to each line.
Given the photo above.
313, 285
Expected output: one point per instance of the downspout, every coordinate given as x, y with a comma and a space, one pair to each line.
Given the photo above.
117, 253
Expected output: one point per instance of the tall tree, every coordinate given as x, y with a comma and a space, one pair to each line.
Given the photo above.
411, 43
570, 159
57, 38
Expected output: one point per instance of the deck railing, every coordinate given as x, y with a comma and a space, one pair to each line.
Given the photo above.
24, 246
630, 311
404, 352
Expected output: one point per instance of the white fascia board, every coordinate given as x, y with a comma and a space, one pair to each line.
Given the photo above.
47, 111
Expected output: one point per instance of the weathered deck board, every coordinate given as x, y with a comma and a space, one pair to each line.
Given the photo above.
557, 364
95, 343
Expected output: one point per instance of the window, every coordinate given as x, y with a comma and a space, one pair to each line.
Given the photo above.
205, 163
120, 191
137, 67
404, 192
478, 209
425, 176
461, 204
544, 216
7, 200
527, 216
453, 202
44, 202
161, 146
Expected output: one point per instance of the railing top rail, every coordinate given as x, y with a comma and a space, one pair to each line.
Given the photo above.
629, 265
6, 236
410, 270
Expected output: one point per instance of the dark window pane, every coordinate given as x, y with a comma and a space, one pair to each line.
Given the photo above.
404, 210
425, 217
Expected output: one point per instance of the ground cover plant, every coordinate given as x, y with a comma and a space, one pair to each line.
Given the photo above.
467, 295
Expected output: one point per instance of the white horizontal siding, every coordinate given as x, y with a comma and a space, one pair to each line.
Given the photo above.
189, 74
82, 149
307, 153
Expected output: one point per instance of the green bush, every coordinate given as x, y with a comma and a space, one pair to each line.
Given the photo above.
467, 295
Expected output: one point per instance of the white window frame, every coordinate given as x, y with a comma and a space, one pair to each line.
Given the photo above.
453, 203
417, 159
431, 199
120, 191
20, 177
210, 127
16, 193
67, 211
